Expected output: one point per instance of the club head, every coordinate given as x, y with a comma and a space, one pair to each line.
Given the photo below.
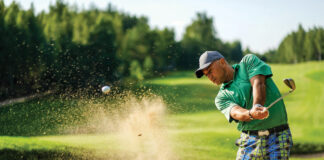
290, 83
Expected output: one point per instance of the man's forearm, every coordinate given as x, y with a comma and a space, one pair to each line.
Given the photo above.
259, 89
259, 97
240, 114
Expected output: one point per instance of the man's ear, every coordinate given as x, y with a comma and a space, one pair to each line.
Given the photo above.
222, 61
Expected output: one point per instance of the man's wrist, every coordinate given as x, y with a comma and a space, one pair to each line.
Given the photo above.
257, 105
250, 115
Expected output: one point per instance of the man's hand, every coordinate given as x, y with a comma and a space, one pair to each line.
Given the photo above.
259, 112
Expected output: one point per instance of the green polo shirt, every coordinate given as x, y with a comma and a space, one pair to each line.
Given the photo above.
239, 92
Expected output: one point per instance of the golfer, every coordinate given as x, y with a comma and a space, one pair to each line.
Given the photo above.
245, 89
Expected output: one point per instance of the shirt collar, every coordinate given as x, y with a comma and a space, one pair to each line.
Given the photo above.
235, 67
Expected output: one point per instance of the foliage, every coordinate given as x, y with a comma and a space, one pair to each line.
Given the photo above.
299, 46
201, 36
67, 48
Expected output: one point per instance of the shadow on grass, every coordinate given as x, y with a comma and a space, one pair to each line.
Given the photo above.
316, 75
307, 148
10, 154
297, 150
35, 154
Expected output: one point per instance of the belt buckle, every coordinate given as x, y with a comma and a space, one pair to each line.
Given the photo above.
263, 132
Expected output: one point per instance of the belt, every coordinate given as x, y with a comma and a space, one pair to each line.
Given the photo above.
267, 131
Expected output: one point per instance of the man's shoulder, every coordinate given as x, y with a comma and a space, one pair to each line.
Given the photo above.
222, 93
249, 57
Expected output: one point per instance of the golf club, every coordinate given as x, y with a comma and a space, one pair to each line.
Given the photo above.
291, 84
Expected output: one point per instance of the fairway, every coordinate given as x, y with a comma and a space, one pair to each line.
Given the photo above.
116, 80
195, 129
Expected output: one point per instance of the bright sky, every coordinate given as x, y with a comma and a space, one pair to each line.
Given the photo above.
259, 24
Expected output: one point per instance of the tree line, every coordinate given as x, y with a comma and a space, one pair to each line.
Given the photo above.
68, 48
298, 46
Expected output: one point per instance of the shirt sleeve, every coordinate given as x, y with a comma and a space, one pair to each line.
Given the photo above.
225, 105
256, 66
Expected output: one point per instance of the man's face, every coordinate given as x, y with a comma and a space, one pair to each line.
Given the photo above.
215, 72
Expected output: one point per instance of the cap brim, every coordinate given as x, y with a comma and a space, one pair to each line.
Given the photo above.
199, 72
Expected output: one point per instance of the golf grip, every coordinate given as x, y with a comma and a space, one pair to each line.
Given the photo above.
278, 100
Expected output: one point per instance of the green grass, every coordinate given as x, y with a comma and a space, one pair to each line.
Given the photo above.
197, 129
64, 146
316, 75
304, 107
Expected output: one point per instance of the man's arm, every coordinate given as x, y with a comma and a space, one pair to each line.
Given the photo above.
240, 114
246, 115
259, 89
259, 95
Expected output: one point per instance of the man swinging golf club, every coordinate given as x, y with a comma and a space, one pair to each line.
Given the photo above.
245, 89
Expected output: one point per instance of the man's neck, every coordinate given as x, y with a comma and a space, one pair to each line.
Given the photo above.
229, 73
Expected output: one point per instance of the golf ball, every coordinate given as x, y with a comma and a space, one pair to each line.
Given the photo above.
105, 89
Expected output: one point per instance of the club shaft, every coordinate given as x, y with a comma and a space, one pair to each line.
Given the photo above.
278, 99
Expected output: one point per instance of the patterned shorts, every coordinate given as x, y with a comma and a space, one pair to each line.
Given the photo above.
274, 146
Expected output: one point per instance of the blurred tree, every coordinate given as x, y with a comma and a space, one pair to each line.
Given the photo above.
128, 21
58, 25
81, 28
164, 49
135, 46
14, 64
247, 51
270, 56
148, 67
309, 45
263, 57
135, 70
298, 44
198, 37
319, 42
103, 46
3, 54
286, 50
71, 48
301, 46
20, 55
236, 53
